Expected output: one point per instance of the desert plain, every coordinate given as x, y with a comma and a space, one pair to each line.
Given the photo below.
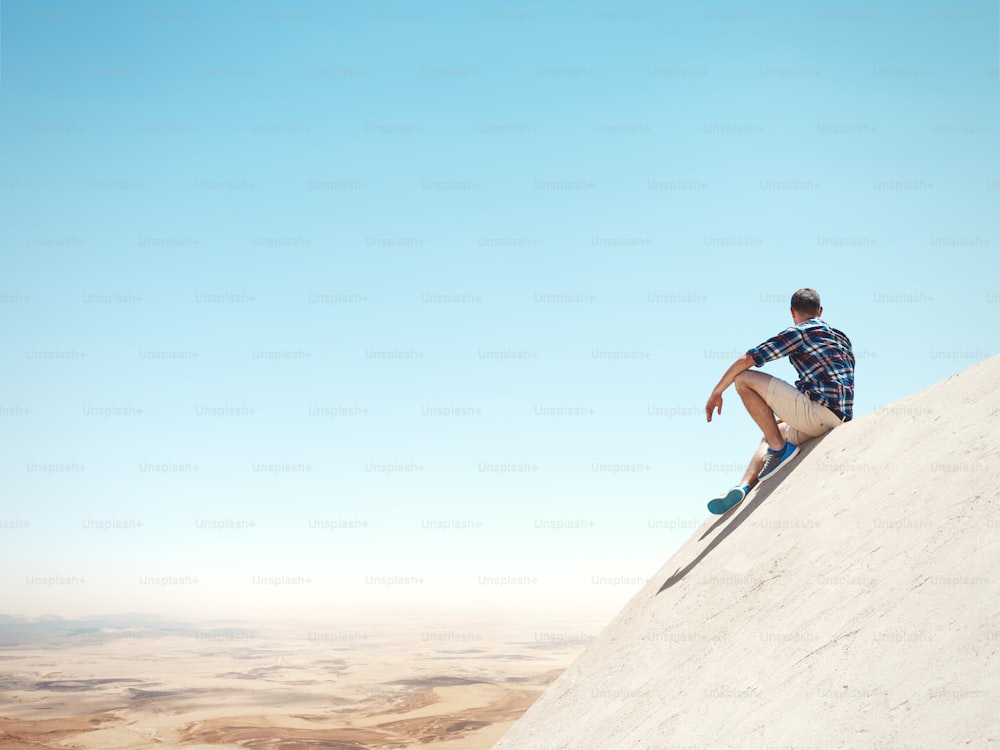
398, 682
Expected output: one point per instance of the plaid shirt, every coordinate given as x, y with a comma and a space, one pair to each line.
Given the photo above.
823, 358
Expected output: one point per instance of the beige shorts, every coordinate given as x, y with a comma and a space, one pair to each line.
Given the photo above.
803, 417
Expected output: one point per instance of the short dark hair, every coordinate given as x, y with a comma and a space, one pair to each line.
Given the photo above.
806, 302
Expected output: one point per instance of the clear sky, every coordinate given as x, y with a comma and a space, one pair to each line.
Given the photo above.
313, 307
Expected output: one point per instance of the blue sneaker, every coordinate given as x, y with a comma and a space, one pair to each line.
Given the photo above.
725, 503
774, 460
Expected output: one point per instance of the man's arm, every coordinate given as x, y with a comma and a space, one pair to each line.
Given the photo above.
715, 400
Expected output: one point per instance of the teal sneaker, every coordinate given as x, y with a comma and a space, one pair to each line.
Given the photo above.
725, 503
774, 460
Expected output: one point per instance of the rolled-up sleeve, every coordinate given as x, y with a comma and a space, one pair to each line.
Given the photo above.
776, 347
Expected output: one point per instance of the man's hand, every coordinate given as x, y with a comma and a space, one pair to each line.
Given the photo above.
714, 404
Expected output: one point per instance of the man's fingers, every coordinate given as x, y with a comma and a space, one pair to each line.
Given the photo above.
713, 405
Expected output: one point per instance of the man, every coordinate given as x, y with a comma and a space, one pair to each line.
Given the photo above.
823, 396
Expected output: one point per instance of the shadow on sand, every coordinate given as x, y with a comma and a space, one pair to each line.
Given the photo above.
736, 517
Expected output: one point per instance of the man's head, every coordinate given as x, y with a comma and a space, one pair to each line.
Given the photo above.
805, 305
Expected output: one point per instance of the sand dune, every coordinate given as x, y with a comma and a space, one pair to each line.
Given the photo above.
852, 602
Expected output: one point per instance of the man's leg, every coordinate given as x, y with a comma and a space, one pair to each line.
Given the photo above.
753, 468
757, 462
752, 387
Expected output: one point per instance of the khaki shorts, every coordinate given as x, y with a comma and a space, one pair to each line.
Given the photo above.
803, 417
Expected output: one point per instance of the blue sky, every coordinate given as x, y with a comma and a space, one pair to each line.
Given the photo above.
400, 306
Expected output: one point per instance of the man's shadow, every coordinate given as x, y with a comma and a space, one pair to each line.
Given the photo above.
738, 516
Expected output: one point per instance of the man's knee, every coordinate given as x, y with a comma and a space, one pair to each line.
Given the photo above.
749, 380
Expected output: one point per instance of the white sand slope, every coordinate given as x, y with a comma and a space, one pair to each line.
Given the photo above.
851, 602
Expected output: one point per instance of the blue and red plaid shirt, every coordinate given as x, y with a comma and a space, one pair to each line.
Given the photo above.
823, 358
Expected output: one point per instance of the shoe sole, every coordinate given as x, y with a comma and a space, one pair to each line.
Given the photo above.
721, 505
779, 467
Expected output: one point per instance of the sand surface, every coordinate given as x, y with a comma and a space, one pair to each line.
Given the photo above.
851, 602
373, 684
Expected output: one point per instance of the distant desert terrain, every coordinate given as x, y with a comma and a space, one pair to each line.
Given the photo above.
98, 685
